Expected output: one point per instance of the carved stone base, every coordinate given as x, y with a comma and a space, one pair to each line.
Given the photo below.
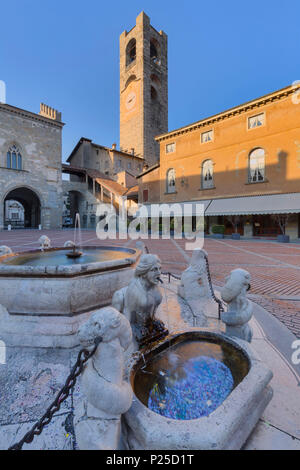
94, 432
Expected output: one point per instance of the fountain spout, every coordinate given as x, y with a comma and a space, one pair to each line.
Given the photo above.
76, 249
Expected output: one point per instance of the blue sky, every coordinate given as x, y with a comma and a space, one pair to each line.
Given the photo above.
65, 53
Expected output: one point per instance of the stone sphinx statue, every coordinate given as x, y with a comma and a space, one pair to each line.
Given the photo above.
239, 307
107, 395
5, 250
194, 289
45, 242
141, 298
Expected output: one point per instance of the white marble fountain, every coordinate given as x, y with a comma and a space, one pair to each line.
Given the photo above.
149, 385
197, 388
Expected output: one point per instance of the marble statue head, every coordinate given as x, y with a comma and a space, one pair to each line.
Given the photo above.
107, 323
149, 268
5, 250
238, 282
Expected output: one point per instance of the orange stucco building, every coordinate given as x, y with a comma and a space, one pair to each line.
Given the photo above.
242, 162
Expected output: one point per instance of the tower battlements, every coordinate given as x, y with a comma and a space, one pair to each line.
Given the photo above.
49, 112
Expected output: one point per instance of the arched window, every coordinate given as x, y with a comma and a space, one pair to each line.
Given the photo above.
256, 168
14, 158
153, 94
171, 181
154, 51
131, 51
155, 80
207, 174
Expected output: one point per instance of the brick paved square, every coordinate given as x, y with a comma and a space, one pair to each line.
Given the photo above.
274, 267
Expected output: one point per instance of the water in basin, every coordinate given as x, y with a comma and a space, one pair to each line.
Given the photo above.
58, 257
190, 379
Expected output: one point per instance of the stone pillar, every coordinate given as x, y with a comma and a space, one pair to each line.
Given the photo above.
2, 214
45, 218
248, 229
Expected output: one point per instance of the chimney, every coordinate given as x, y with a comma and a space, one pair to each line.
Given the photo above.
114, 146
49, 112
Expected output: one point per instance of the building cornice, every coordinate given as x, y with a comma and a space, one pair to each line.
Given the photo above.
235, 196
138, 157
243, 108
29, 115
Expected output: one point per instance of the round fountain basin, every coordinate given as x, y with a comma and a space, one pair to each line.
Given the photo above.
211, 393
189, 378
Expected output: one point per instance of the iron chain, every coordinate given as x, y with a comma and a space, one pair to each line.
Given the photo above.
219, 302
83, 356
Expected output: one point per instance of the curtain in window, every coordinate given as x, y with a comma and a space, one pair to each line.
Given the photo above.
171, 181
256, 121
207, 174
257, 165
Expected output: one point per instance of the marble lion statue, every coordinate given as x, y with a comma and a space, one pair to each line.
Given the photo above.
141, 298
194, 288
44, 242
106, 395
5, 250
240, 309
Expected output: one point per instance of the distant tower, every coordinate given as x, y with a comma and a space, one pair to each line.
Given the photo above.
143, 88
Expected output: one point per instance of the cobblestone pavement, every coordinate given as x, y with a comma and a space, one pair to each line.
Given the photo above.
274, 267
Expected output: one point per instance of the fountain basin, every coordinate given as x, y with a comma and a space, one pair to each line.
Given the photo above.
223, 420
47, 294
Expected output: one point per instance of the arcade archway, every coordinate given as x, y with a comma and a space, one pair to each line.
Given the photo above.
31, 206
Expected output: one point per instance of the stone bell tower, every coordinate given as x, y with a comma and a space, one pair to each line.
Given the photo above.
143, 89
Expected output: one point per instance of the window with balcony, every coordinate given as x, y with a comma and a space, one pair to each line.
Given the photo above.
207, 177
171, 181
256, 168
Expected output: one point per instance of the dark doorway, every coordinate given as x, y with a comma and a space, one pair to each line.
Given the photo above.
75, 204
31, 205
265, 226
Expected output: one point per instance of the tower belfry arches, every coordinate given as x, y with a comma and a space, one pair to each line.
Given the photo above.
143, 89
